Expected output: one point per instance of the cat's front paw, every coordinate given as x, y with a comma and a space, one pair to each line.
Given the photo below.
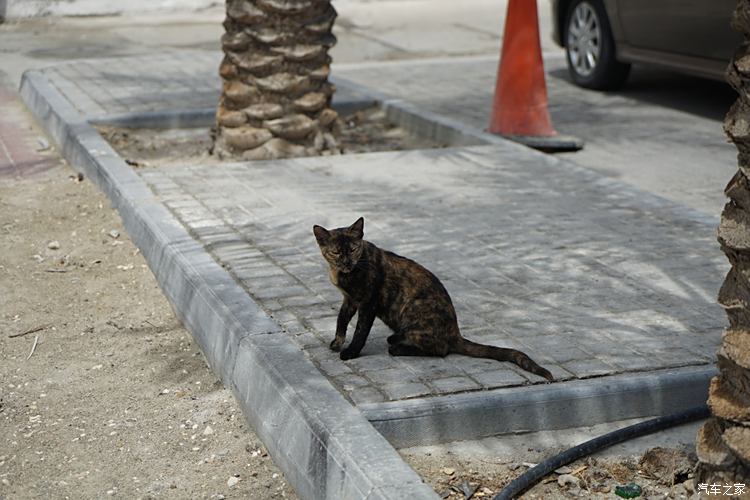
336, 344
348, 354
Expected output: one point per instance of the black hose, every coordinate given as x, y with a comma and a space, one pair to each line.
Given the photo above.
536, 473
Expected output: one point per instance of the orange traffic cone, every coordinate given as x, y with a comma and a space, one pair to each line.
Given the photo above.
519, 110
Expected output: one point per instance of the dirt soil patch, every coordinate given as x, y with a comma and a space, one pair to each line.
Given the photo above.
661, 473
364, 131
106, 395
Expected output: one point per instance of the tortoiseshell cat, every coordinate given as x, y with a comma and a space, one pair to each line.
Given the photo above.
404, 295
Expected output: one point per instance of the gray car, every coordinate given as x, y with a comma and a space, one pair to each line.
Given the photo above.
603, 37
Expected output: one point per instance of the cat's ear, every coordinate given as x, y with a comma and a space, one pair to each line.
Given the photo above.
321, 234
358, 228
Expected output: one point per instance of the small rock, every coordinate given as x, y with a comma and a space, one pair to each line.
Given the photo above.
53, 245
43, 144
448, 471
601, 488
232, 481
467, 488
5, 482
114, 233
564, 470
208, 430
568, 480
689, 486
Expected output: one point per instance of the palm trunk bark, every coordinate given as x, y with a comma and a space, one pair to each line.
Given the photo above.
276, 98
723, 444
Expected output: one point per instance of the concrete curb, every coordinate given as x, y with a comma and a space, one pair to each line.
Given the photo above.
324, 445
575, 403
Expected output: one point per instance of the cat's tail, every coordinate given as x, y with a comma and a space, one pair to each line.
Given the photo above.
469, 348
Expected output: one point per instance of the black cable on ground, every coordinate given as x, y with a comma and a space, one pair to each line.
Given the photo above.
535, 474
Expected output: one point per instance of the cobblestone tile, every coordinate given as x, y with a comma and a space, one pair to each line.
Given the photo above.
351, 381
306, 301
325, 325
391, 376
454, 384
468, 365
399, 391
366, 395
333, 367
277, 292
428, 368
365, 364
558, 373
588, 367
499, 378
307, 340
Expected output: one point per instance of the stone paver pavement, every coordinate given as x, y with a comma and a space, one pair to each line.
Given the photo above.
637, 134
588, 276
539, 256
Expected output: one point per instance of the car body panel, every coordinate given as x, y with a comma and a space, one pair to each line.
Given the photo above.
692, 36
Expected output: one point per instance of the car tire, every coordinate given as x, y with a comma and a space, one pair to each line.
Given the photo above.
590, 47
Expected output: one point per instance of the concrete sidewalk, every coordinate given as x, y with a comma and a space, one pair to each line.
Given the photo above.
610, 287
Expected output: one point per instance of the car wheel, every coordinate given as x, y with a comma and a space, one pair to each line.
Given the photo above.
590, 47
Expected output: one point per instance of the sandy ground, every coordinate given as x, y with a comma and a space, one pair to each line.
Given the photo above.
115, 399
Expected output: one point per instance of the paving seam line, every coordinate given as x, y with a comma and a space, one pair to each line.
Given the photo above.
324, 446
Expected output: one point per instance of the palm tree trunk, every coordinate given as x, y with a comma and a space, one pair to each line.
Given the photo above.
723, 444
276, 98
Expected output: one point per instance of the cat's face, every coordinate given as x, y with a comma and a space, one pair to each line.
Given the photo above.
342, 247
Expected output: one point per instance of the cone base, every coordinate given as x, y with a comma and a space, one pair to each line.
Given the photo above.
548, 144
